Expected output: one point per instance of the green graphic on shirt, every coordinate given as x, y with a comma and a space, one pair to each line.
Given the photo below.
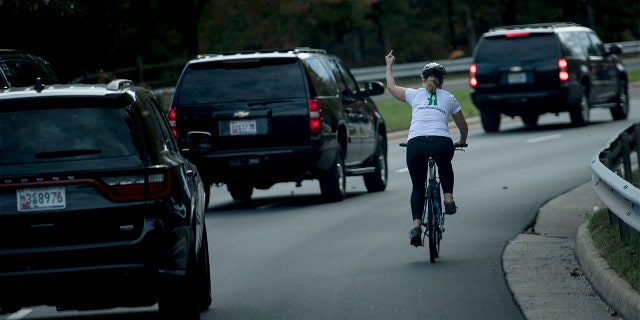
433, 100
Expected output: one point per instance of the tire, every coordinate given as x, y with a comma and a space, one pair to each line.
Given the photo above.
333, 184
180, 301
580, 112
203, 282
490, 121
431, 233
240, 191
621, 110
377, 181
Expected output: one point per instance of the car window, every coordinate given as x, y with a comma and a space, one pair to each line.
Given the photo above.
19, 73
596, 47
347, 85
531, 48
37, 132
246, 80
574, 43
321, 78
162, 124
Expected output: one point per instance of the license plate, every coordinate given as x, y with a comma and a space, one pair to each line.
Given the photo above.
35, 199
238, 127
519, 77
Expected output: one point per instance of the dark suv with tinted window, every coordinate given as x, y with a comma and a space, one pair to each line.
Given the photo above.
98, 208
529, 70
19, 69
253, 119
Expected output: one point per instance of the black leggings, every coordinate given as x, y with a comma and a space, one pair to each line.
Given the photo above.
418, 150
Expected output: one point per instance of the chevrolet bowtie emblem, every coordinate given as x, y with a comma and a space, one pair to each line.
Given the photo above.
241, 114
516, 69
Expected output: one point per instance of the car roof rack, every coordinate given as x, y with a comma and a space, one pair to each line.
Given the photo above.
536, 25
274, 50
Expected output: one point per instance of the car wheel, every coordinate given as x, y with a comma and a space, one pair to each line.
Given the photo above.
377, 181
204, 274
179, 301
333, 184
621, 110
490, 121
580, 112
240, 191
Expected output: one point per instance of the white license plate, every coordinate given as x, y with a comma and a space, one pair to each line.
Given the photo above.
519, 77
237, 127
35, 199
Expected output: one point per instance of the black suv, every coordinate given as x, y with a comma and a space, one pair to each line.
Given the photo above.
528, 70
98, 208
20, 69
253, 119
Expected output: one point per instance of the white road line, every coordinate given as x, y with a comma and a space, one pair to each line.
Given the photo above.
403, 170
551, 137
20, 314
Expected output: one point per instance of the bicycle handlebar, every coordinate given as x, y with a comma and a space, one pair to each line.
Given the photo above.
458, 147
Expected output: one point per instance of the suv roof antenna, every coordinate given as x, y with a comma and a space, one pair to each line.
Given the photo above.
38, 86
119, 84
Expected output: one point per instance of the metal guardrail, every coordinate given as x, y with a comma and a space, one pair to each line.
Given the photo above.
620, 195
452, 66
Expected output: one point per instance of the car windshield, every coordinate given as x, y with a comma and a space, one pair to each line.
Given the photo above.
530, 48
250, 80
37, 135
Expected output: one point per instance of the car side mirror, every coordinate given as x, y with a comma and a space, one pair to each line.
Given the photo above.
199, 142
374, 88
615, 49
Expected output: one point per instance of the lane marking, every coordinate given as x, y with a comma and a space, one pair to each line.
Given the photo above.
403, 170
551, 137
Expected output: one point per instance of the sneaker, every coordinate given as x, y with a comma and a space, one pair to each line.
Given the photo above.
450, 207
416, 237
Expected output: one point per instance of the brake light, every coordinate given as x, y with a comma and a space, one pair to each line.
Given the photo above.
315, 116
143, 186
563, 74
172, 120
517, 34
473, 81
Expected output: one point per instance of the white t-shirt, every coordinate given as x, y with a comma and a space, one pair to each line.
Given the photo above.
430, 112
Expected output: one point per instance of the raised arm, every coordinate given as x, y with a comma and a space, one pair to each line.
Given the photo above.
396, 91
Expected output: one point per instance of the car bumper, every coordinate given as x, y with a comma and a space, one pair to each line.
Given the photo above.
515, 104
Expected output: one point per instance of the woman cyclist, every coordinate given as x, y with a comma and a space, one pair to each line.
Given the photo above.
429, 136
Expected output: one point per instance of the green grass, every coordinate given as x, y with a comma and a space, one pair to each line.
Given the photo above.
621, 256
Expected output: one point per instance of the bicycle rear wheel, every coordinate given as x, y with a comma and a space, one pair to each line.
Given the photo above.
433, 232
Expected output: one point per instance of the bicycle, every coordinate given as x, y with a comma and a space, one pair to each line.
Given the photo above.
432, 211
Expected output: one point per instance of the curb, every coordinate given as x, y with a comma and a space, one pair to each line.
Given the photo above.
614, 290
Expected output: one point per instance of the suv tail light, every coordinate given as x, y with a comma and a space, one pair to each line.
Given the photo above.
172, 120
563, 75
315, 116
473, 81
138, 186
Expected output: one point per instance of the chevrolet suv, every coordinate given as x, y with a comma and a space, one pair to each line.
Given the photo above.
253, 119
529, 70
98, 208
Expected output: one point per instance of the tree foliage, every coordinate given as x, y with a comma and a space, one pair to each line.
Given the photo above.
85, 36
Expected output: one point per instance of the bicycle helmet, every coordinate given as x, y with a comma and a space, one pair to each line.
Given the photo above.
435, 69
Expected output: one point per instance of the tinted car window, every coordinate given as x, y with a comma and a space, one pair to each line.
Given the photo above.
596, 48
530, 48
321, 78
257, 79
63, 134
573, 42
